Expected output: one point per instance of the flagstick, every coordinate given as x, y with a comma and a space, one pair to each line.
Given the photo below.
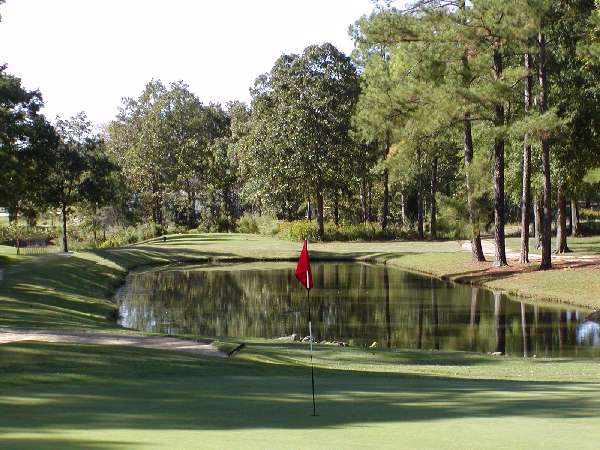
312, 367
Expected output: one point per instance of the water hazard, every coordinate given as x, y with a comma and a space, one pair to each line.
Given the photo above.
354, 303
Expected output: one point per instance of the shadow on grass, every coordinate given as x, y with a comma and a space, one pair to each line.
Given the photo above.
63, 444
53, 386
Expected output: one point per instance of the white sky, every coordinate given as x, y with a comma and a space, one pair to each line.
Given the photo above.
88, 54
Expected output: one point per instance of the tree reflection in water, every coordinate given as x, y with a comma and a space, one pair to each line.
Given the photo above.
356, 303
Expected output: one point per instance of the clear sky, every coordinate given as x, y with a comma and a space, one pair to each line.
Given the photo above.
88, 54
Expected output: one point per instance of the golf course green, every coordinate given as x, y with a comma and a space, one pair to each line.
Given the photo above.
82, 396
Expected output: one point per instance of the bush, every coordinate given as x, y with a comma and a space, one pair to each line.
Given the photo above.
131, 235
267, 226
247, 224
8, 234
176, 229
360, 232
589, 214
304, 229
264, 225
298, 230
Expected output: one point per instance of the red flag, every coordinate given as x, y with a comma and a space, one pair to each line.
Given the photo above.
303, 272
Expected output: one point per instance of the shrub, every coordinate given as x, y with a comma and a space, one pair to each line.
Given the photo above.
298, 230
589, 214
304, 229
267, 226
131, 235
177, 229
247, 224
361, 232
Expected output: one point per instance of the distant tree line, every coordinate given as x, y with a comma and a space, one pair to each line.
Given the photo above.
449, 119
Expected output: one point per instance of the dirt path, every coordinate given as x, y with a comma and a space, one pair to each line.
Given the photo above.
104, 338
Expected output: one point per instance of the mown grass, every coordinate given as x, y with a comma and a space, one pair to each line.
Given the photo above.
83, 396
8, 256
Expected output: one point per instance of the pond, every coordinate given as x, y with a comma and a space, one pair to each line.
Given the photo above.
351, 302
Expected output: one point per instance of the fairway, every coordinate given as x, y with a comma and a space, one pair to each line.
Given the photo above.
76, 397
367, 224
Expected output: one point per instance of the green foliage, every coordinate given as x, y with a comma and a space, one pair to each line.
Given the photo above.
22, 232
303, 229
298, 144
361, 232
131, 235
247, 224
167, 144
264, 225
298, 230
589, 214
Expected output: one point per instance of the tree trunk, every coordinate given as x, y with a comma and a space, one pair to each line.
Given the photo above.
420, 212
363, 198
65, 246
320, 220
545, 141
192, 221
526, 181
433, 204
336, 209
402, 205
370, 201
385, 207
500, 255
476, 248
537, 213
561, 222
575, 231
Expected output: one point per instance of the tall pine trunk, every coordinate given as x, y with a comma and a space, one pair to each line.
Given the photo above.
545, 141
575, 231
420, 212
402, 205
476, 248
65, 243
561, 222
363, 199
537, 214
336, 209
320, 220
500, 254
385, 207
526, 181
433, 205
